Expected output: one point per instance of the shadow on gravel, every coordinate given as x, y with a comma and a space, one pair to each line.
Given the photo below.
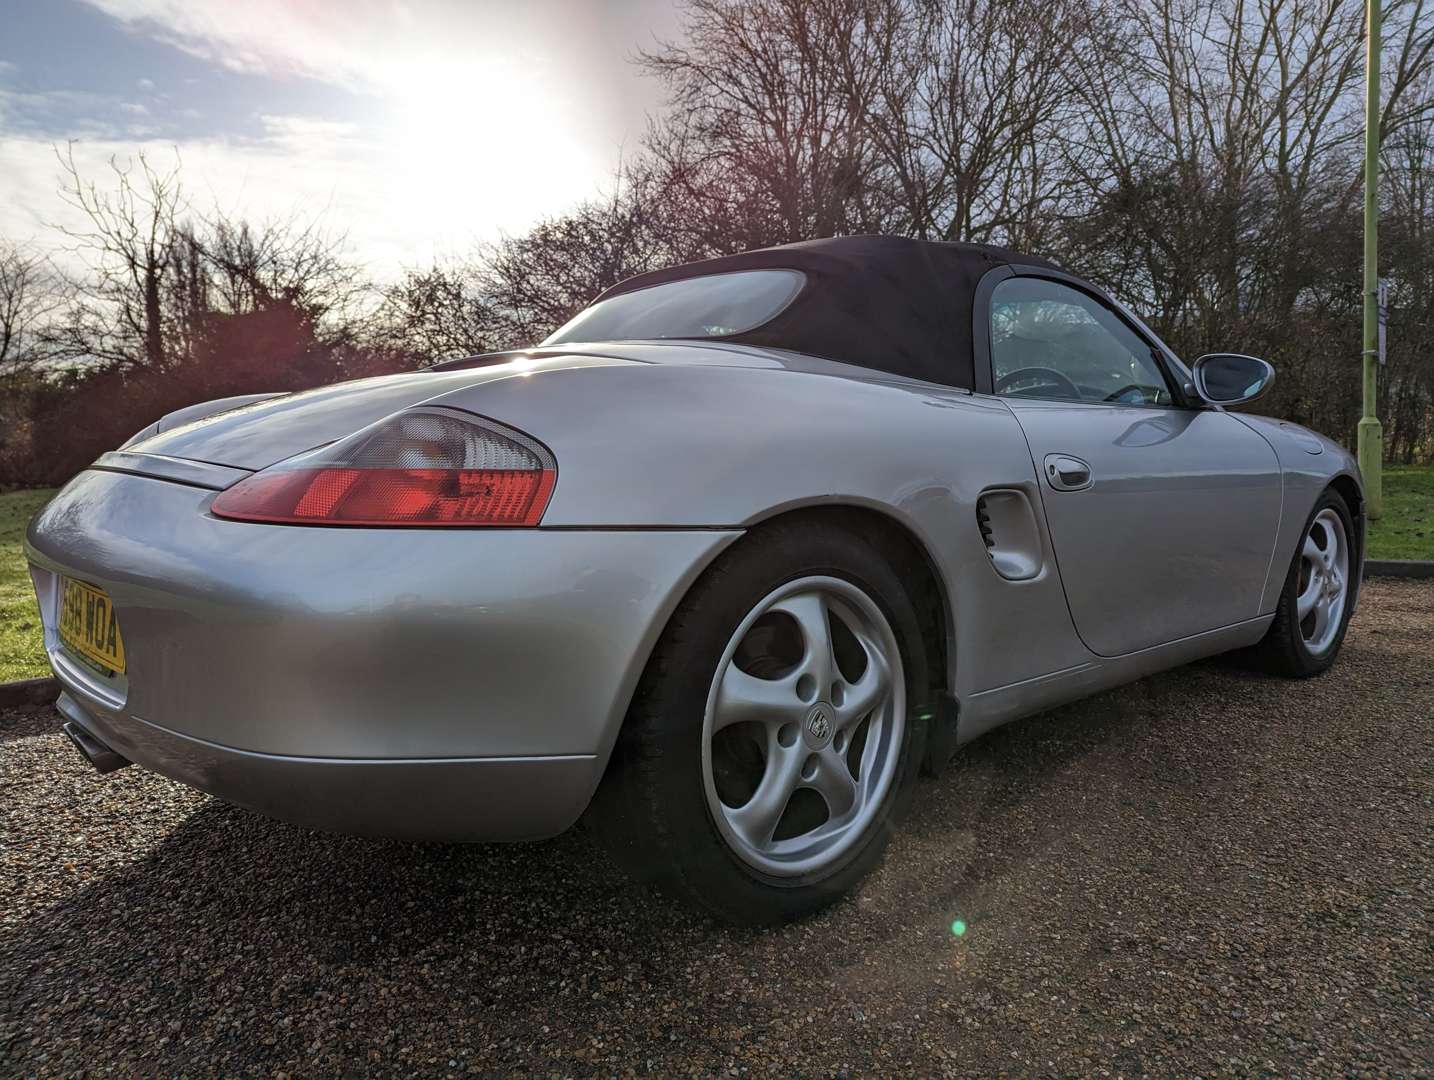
229, 881
234, 922
233, 918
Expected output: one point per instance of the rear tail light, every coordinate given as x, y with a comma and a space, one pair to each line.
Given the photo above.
424, 467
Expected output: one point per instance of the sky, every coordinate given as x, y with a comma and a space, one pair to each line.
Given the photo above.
418, 128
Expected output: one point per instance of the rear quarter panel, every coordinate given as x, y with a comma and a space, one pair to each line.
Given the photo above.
644, 446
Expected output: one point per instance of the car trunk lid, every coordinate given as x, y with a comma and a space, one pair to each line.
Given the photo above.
259, 434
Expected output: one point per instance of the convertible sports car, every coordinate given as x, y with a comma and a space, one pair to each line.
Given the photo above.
723, 562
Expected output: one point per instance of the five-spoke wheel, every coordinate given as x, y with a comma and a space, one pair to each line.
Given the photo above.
803, 722
1324, 581
769, 747
1318, 595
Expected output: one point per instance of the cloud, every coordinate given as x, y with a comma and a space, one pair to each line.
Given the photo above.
259, 180
77, 112
396, 209
363, 45
267, 37
304, 133
418, 130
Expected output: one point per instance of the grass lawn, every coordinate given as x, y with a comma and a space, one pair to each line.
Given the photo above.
22, 655
1406, 530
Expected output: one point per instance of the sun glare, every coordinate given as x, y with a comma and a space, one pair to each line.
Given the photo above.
482, 146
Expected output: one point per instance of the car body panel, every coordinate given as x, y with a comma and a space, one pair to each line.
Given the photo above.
1309, 463
161, 467
1180, 508
1174, 532
270, 429
984, 710
443, 798
320, 673
191, 413
360, 643
800, 439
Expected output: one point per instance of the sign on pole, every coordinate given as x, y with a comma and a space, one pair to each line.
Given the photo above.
1383, 314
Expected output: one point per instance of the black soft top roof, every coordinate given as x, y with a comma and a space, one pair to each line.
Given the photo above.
883, 302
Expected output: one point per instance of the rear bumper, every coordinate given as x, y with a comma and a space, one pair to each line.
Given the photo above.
519, 798
440, 684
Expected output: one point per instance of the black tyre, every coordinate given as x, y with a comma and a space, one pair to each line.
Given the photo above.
771, 744
1318, 596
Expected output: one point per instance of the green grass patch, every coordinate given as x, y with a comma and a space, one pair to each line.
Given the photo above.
1406, 528
22, 649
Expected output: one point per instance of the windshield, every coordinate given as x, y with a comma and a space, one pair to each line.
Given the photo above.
714, 305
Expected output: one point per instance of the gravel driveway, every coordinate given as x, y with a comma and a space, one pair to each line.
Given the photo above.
1207, 872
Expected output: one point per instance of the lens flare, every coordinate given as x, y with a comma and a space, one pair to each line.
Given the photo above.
958, 928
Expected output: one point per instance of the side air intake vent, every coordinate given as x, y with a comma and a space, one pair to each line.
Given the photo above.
1008, 529
983, 521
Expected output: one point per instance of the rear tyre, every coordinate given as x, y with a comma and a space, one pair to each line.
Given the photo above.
1318, 596
770, 747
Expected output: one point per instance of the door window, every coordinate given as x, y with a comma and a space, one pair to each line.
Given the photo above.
1051, 341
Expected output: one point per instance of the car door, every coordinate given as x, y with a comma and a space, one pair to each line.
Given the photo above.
1162, 514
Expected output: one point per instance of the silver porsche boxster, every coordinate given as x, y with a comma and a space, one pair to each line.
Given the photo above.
722, 564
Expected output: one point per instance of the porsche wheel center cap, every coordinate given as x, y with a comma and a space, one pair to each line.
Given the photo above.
819, 725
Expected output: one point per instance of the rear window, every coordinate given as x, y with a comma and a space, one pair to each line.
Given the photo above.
711, 306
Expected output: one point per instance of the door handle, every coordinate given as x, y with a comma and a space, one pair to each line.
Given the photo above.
1066, 473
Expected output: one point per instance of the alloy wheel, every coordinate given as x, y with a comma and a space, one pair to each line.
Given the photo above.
1323, 582
804, 726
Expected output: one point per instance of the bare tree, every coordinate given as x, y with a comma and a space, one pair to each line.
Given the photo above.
1407, 384
1199, 157
127, 247
29, 296
968, 113
535, 282
254, 264
437, 314
515, 292
765, 139
226, 266
1221, 149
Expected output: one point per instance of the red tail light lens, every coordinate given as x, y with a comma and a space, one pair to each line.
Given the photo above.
425, 467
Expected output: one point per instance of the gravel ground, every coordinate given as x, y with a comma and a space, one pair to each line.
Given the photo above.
1207, 872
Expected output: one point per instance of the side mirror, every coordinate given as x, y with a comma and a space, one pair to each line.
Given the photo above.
1231, 379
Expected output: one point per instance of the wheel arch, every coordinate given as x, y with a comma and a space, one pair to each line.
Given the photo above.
909, 557
1348, 489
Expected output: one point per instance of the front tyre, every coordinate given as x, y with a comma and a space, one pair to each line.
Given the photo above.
770, 747
1318, 597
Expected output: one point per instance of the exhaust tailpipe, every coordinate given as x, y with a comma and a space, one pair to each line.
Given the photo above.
95, 752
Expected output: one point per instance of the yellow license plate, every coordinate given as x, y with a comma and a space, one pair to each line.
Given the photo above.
88, 625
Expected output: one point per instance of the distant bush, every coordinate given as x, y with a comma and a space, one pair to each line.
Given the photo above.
51, 427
